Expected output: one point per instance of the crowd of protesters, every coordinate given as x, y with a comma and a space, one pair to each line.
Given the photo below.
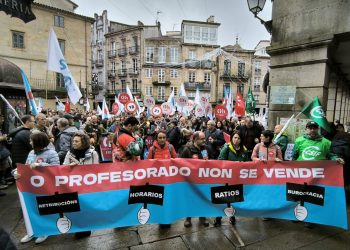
57, 138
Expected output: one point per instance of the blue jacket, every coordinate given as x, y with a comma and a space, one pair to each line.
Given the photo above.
46, 157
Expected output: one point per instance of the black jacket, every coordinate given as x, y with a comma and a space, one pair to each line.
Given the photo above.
191, 151
20, 144
173, 136
219, 141
248, 141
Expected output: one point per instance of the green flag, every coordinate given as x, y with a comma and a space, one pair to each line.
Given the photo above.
250, 102
314, 112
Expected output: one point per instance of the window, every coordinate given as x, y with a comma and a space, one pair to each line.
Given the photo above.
135, 43
134, 85
240, 88
62, 44
191, 76
257, 84
59, 80
191, 95
161, 75
99, 34
149, 90
161, 93
134, 65
227, 67
99, 56
212, 35
123, 86
123, 43
149, 55
207, 77
113, 85
113, 66
59, 21
256, 98
17, 39
226, 90
174, 55
241, 69
175, 90
257, 66
188, 32
196, 33
100, 77
192, 55
173, 73
123, 64
161, 54
205, 35
148, 73
113, 47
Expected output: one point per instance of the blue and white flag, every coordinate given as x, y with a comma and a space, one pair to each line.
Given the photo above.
40, 104
57, 63
29, 94
60, 105
182, 90
171, 99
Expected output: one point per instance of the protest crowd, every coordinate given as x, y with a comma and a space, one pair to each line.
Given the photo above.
74, 138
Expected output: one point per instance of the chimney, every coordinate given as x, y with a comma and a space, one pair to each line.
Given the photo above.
210, 19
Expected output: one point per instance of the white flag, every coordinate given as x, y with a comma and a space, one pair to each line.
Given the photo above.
57, 63
105, 111
197, 99
182, 90
60, 105
129, 93
99, 110
87, 105
121, 106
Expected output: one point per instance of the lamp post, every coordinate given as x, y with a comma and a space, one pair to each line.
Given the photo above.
255, 6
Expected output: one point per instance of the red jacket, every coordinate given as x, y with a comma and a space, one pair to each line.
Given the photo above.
161, 153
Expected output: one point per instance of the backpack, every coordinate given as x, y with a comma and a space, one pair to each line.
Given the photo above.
170, 147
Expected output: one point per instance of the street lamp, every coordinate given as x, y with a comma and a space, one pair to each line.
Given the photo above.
255, 6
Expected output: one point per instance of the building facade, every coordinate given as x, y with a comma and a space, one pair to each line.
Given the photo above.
310, 49
26, 46
126, 53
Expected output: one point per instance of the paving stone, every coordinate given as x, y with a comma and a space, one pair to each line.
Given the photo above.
150, 233
339, 242
173, 244
10, 218
208, 239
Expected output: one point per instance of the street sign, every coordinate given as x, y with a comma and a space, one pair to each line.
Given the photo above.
124, 98
220, 112
149, 101
182, 101
115, 108
156, 111
166, 108
130, 107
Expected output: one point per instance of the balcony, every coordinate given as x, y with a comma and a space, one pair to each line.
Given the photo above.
207, 64
136, 92
226, 75
99, 63
133, 50
192, 64
133, 72
122, 52
122, 72
112, 54
203, 86
161, 83
111, 73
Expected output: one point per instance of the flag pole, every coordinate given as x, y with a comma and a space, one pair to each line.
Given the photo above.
10, 107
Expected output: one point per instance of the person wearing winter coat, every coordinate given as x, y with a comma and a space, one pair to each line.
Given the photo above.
20, 140
63, 142
266, 150
40, 156
173, 134
232, 151
161, 149
81, 153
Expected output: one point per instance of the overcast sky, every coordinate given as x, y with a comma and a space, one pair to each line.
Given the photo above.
234, 16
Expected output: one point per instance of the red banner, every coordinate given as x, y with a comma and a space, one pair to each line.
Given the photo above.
113, 176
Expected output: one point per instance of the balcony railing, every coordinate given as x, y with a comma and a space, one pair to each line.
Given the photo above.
122, 52
122, 72
133, 72
99, 62
133, 50
112, 54
111, 73
193, 64
203, 86
161, 83
207, 64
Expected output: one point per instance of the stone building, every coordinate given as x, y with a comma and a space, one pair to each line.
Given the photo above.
199, 39
310, 49
126, 53
162, 69
26, 46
